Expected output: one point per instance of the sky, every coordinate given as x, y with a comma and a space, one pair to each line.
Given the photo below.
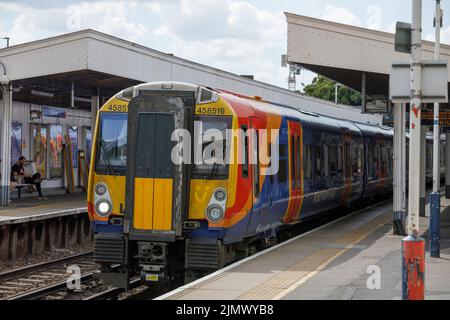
241, 36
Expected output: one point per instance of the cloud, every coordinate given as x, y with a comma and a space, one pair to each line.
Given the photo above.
30, 22
341, 15
231, 35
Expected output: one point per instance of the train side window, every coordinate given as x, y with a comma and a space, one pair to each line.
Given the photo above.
245, 154
325, 161
371, 162
318, 162
340, 160
308, 161
269, 154
282, 177
333, 156
360, 160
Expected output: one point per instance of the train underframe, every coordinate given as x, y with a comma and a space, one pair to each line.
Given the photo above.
158, 264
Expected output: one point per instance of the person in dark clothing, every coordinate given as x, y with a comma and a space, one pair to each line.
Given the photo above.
18, 170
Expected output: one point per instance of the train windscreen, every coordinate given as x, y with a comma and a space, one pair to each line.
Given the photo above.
111, 155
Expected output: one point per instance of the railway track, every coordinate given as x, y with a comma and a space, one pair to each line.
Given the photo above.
36, 281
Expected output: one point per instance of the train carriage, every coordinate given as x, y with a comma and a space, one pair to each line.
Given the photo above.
160, 210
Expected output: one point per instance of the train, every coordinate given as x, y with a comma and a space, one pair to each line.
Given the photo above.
157, 217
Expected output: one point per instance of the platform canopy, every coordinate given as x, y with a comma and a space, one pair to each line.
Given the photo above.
343, 52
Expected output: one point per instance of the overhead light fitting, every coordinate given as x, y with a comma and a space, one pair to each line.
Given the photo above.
42, 94
80, 99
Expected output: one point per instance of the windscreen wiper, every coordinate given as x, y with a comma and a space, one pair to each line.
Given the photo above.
104, 152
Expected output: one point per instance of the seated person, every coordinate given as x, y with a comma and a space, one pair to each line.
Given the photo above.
18, 170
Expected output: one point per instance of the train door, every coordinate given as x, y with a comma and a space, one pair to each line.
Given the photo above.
156, 186
295, 171
347, 158
256, 218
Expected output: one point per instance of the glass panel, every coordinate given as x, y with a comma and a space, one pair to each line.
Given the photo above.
56, 144
245, 155
219, 166
112, 143
282, 172
39, 151
88, 145
16, 142
73, 135
333, 155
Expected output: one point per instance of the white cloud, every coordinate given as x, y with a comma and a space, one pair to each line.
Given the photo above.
231, 35
341, 15
30, 22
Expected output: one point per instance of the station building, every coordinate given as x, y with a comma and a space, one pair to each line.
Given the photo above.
56, 85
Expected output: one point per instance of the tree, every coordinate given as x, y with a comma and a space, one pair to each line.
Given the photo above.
324, 88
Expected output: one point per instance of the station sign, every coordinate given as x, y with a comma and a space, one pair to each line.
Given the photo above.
403, 37
54, 112
434, 82
428, 118
377, 104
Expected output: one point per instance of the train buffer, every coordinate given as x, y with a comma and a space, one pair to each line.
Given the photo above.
354, 258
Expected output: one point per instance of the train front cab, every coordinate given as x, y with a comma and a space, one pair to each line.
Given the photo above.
166, 201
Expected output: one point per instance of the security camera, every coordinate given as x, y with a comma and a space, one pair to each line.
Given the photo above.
4, 80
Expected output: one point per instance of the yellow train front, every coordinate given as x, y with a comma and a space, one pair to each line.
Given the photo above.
185, 179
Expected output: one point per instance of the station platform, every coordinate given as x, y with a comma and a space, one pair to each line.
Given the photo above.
31, 228
32, 209
333, 262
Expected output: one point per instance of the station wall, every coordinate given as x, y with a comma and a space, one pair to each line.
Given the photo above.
41, 139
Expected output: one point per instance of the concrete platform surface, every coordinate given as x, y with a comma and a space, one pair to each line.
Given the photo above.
336, 261
26, 210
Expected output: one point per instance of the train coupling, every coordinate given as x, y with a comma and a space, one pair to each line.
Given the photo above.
153, 274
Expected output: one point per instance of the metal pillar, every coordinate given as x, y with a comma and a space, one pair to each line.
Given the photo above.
413, 247
399, 171
447, 165
95, 105
72, 95
435, 198
404, 155
423, 170
6, 145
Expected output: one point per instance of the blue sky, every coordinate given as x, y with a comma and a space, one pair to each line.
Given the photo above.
241, 36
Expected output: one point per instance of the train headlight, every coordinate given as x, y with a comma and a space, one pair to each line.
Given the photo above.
103, 208
101, 189
215, 213
220, 195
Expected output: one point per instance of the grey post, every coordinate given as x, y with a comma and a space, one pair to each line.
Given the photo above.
6, 136
95, 105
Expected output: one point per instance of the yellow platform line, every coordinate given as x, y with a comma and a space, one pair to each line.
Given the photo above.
285, 282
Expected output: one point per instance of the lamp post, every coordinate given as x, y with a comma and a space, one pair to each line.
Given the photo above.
413, 246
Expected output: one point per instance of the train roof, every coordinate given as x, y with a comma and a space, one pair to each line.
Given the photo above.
317, 120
